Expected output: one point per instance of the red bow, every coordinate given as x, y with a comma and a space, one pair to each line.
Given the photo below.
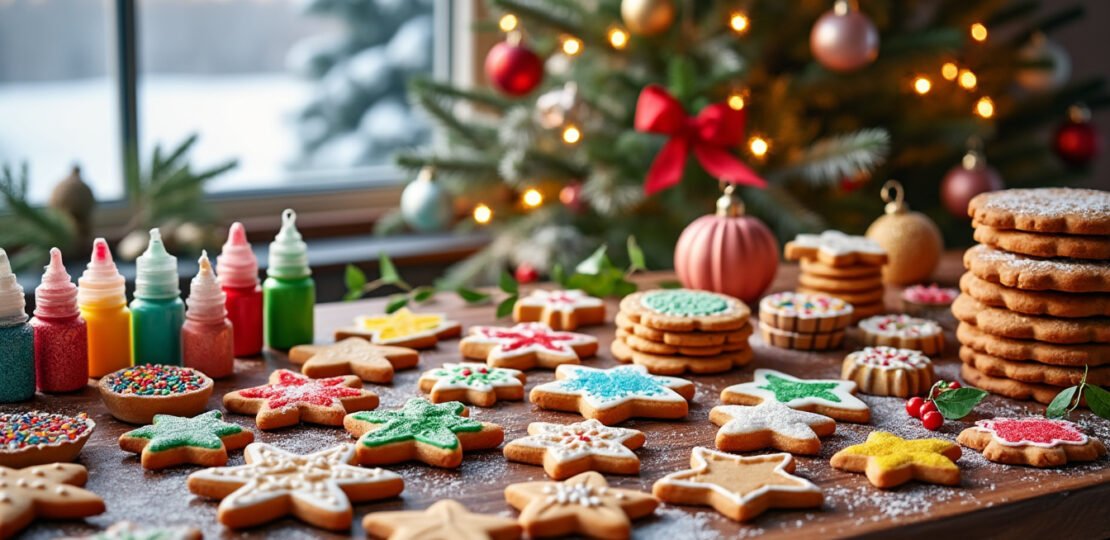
715, 129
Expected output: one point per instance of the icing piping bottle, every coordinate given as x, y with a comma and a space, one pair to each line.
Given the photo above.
157, 312
207, 336
103, 302
238, 270
289, 293
61, 336
17, 339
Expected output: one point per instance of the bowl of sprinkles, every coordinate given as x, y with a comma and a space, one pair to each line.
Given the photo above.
37, 437
930, 301
135, 394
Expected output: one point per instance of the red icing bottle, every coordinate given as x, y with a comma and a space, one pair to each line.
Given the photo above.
61, 337
238, 271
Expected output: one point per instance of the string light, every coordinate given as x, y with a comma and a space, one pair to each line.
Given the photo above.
759, 146
736, 101
922, 85
949, 71
508, 22
979, 32
571, 134
968, 79
532, 198
482, 214
738, 22
984, 107
618, 38
572, 46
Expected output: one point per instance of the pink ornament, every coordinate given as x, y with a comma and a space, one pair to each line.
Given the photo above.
728, 252
844, 39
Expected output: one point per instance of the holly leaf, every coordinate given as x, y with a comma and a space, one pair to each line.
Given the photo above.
508, 283
396, 302
559, 274
423, 293
1061, 403
505, 308
388, 270
1098, 400
635, 256
471, 296
595, 263
355, 279
956, 404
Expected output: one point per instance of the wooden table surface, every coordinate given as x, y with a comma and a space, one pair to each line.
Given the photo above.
993, 500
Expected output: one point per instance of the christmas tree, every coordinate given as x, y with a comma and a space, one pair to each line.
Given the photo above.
594, 105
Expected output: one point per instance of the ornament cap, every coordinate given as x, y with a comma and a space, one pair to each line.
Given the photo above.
894, 197
1079, 114
730, 204
426, 174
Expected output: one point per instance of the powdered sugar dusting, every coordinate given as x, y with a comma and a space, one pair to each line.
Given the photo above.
1015, 262
1049, 202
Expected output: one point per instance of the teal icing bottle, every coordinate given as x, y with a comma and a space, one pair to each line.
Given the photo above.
17, 339
157, 312
289, 293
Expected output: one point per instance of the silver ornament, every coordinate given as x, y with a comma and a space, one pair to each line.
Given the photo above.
844, 39
1041, 50
425, 205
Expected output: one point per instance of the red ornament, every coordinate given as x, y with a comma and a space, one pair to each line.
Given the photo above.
1077, 141
526, 273
513, 68
728, 252
571, 196
967, 180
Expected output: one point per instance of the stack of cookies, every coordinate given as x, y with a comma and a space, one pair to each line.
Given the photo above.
1035, 302
803, 321
673, 331
840, 265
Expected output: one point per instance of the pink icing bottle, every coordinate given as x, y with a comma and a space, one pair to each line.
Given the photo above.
238, 270
61, 338
206, 336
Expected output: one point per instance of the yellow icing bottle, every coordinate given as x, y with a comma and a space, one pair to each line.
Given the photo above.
103, 304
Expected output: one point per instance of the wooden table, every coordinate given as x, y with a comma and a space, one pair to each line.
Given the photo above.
994, 500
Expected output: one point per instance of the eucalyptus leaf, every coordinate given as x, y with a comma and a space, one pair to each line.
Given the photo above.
396, 302
355, 280
505, 308
1098, 400
471, 296
1061, 403
423, 293
388, 270
956, 404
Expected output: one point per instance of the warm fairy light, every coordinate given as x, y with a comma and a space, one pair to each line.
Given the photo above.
738, 22
618, 38
922, 85
949, 71
759, 146
984, 107
572, 46
571, 134
736, 101
968, 79
482, 214
979, 32
508, 22
532, 198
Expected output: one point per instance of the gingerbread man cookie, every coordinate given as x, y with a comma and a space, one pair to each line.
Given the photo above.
889, 460
402, 328
614, 395
291, 398
44, 491
1037, 442
370, 362
38, 437
444, 519
738, 487
581, 505
834, 248
769, 425
526, 346
903, 332
566, 450
473, 383
173, 440
829, 397
561, 310
433, 433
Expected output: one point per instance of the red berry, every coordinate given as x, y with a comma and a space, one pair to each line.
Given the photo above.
932, 420
953, 385
927, 408
913, 406
526, 273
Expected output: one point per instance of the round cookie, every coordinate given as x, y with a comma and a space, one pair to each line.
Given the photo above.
686, 339
660, 364
135, 394
1045, 244
854, 298
1032, 274
903, 332
817, 268
1005, 323
1055, 304
864, 284
805, 313
1038, 351
1046, 210
1032, 372
685, 310
1041, 393
802, 342
640, 344
38, 437
888, 371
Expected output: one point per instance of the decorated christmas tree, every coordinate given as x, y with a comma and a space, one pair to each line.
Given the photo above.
610, 118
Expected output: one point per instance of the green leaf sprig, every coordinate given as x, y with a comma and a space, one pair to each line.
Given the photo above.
955, 403
358, 286
1098, 400
598, 276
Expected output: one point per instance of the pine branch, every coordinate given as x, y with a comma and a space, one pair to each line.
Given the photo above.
482, 97
926, 42
829, 160
446, 164
440, 109
554, 15
1047, 24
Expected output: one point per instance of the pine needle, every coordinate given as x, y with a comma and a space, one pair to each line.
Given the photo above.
829, 160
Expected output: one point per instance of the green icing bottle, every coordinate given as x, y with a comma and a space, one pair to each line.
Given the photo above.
289, 293
157, 311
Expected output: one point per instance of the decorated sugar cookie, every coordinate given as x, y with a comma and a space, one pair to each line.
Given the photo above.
829, 397
473, 383
135, 394
561, 310
526, 346
835, 248
805, 313
903, 332
889, 460
126, 530
614, 395
316, 488
565, 450
770, 425
1034, 441
685, 310
888, 371
582, 505
402, 328
38, 437
44, 491
444, 519
370, 362
291, 398
738, 487
173, 440
433, 433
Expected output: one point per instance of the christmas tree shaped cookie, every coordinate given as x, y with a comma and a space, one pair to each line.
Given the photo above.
832, 398
434, 433
173, 440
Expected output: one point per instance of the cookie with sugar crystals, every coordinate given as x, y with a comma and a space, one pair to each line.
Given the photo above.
805, 313
402, 328
1089, 354
473, 383
614, 395
581, 505
903, 332
436, 434
566, 450
1051, 303
769, 425
291, 398
1033, 372
685, 310
1006, 323
561, 310
1034, 441
527, 346
1045, 244
203, 440
834, 248
887, 371
1033, 274
1044, 210
830, 397
889, 460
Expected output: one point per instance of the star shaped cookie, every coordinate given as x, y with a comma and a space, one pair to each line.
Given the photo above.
316, 488
291, 398
444, 519
581, 505
44, 491
173, 440
473, 383
738, 487
370, 362
527, 346
835, 248
830, 397
565, 450
614, 395
561, 310
126, 530
889, 460
770, 425
402, 328
434, 433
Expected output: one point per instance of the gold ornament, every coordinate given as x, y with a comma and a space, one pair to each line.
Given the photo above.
648, 17
912, 241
